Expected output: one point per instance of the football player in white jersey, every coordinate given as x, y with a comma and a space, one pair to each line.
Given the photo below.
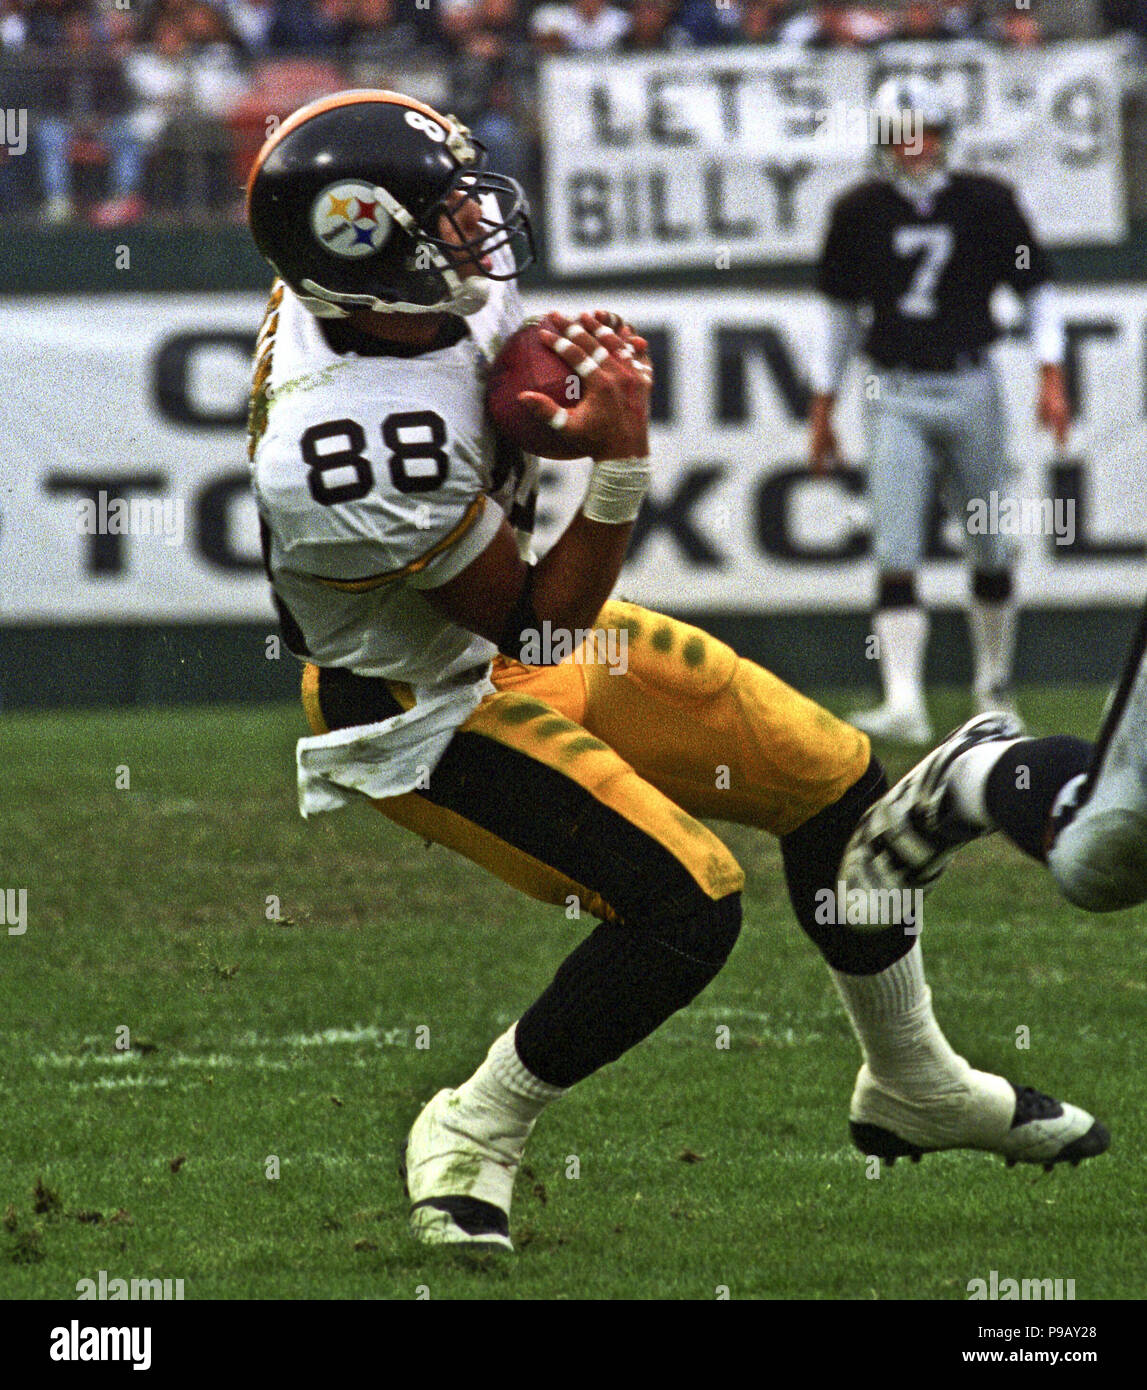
395, 526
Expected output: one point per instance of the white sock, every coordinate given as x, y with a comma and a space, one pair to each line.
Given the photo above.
891, 1014
968, 780
903, 636
993, 627
502, 1083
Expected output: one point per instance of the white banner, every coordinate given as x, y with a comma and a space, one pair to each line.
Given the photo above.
733, 157
123, 473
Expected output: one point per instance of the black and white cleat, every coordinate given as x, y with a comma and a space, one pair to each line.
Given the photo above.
906, 839
986, 1112
458, 1171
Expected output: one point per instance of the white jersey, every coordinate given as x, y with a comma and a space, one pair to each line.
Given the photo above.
378, 477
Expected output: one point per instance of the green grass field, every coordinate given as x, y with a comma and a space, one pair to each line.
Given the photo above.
697, 1167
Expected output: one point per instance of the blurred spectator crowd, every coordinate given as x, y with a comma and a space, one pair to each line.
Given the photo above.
155, 108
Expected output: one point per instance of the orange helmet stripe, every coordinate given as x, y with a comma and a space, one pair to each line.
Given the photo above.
328, 103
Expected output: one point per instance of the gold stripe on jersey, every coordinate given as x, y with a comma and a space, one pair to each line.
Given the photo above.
402, 693
264, 352
375, 581
311, 706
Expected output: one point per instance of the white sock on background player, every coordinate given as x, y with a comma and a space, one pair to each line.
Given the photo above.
993, 629
902, 634
903, 637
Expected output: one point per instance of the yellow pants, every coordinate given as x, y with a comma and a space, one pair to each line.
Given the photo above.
585, 780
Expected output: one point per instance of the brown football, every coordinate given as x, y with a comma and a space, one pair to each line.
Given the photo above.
527, 364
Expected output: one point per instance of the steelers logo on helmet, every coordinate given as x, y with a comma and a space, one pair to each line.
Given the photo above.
348, 219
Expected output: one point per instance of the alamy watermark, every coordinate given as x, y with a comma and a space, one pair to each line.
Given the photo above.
15, 129
76, 1343
1008, 1290
870, 907
14, 910
106, 515
1022, 516
848, 127
157, 1290
588, 646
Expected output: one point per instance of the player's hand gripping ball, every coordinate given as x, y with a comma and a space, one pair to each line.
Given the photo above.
541, 360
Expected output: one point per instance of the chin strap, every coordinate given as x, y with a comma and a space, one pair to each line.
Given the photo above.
473, 295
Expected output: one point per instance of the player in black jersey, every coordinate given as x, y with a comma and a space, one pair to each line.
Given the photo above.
922, 248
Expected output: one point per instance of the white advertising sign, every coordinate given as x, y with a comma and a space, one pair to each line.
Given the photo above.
123, 471
733, 157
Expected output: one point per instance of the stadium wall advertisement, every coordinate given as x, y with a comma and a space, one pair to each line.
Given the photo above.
686, 161
125, 483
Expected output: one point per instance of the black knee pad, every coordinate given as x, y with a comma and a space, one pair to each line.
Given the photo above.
623, 981
812, 855
705, 931
815, 848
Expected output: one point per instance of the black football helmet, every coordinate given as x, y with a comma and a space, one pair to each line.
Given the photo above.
346, 199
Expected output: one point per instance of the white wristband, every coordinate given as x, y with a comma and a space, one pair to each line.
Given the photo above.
616, 490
